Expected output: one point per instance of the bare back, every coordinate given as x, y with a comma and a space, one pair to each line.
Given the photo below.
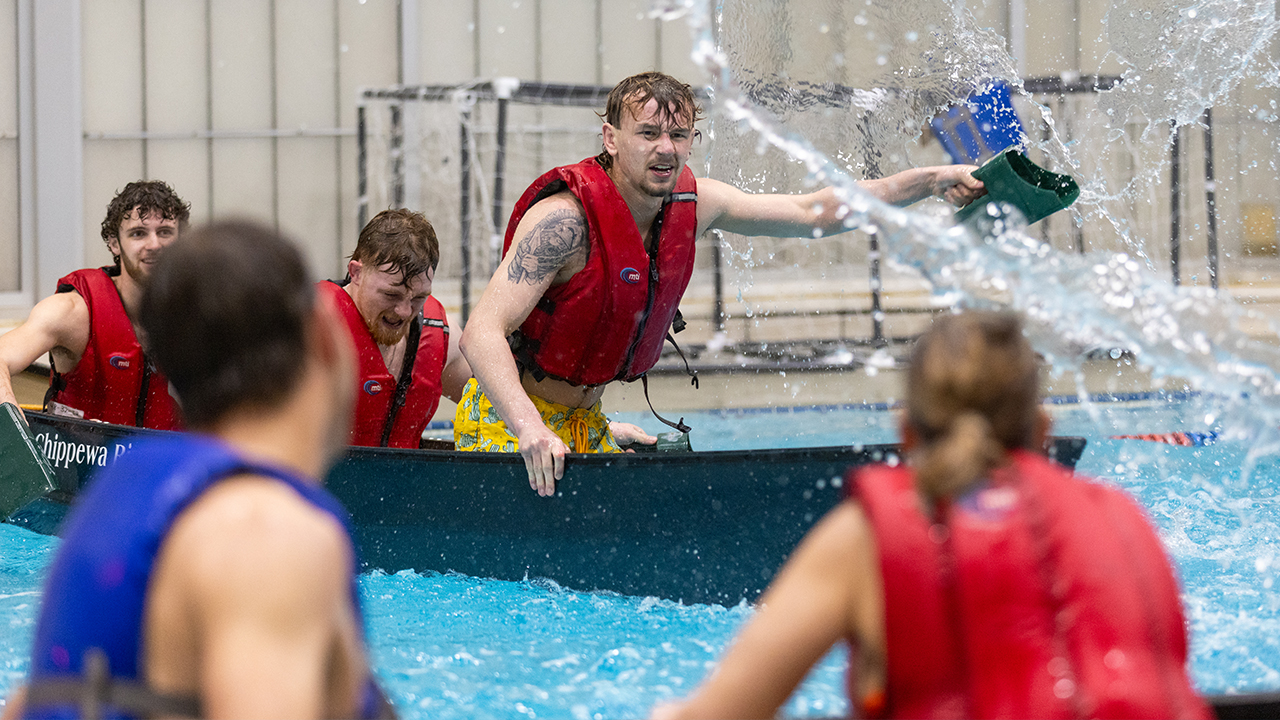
249, 607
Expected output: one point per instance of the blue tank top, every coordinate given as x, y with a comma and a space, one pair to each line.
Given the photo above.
95, 595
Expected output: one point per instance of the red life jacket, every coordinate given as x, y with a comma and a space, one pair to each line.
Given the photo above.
608, 322
1041, 596
391, 413
113, 382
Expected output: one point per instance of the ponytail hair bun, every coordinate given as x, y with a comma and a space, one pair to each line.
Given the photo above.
972, 396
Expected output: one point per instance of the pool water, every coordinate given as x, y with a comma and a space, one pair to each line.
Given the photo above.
451, 646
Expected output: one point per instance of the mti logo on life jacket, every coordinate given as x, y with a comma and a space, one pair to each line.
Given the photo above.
119, 362
373, 387
630, 275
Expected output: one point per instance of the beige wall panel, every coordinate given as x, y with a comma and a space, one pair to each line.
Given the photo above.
569, 41
308, 200
1251, 97
184, 164
367, 56
112, 66
10, 269
8, 71
1051, 38
629, 39
306, 71
177, 82
109, 165
507, 33
677, 53
240, 35
992, 14
861, 46
447, 36
818, 43
10, 247
348, 232
243, 179
1095, 49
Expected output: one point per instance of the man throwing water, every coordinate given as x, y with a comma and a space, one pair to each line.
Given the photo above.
597, 257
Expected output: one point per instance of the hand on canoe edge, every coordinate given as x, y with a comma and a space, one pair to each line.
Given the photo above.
627, 434
543, 452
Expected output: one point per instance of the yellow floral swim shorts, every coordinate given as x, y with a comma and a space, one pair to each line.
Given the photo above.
477, 427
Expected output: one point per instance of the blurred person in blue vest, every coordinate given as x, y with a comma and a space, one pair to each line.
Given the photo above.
209, 574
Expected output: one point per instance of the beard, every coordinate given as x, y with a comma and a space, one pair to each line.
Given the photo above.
385, 336
137, 270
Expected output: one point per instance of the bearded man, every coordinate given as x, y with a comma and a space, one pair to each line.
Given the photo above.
407, 357
89, 327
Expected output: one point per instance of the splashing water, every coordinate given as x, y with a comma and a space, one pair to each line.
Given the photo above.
1072, 302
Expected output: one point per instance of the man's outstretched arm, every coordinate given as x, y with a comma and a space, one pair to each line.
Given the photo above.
724, 207
550, 241
58, 323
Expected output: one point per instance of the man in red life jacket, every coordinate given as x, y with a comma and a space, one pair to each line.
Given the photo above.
598, 255
407, 357
100, 370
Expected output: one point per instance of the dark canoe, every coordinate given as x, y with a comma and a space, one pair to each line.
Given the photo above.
697, 527
691, 526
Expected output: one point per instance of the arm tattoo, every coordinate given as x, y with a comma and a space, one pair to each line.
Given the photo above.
548, 247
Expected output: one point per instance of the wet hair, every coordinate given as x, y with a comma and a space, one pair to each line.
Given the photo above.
150, 197
226, 315
400, 238
972, 395
675, 102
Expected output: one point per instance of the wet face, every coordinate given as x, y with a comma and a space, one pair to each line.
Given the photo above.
387, 304
139, 242
649, 149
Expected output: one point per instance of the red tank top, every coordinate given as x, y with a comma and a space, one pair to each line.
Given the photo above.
113, 381
391, 413
1036, 595
609, 321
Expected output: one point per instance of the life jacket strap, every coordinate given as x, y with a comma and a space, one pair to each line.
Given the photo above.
95, 690
693, 374
678, 425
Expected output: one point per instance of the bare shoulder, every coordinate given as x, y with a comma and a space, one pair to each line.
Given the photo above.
64, 315
841, 539
551, 241
252, 535
58, 323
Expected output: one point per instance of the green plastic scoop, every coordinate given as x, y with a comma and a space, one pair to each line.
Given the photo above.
1012, 178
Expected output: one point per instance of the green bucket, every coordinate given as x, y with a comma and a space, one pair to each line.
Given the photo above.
1012, 178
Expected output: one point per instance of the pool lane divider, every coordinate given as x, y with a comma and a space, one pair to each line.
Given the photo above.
1181, 439
25, 472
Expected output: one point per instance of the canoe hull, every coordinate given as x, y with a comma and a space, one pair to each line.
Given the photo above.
703, 527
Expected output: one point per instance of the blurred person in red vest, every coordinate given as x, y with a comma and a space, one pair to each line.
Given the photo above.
979, 579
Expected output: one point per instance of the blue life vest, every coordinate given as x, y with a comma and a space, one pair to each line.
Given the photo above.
95, 595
